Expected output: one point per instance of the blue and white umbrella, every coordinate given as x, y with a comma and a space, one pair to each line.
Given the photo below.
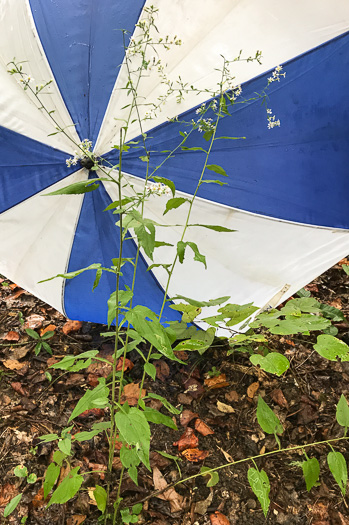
287, 192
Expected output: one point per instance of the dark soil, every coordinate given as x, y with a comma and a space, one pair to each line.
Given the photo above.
304, 399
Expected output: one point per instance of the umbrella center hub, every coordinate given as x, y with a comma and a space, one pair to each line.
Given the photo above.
87, 163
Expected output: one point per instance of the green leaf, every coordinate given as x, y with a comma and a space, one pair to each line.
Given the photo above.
97, 278
294, 325
189, 311
100, 496
167, 182
338, 467
166, 403
330, 347
303, 293
124, 297
237, 313
214, 228
210, 181
20, 471
64, 445
96, 398
129, 457
47, 438
134, 429
346, 268
184, 148
76, 188
154, 416
274, 363
176, 202
10, 507
32, 333
213, 476
47, 335
211, 302
67, 489
269, 422
152, 330
330, 312
85, 436
51, 477
137, 509
304, 304
342, 413
150, 369
217, 169
58, 457
311, 472
181, 246
32, 478
71, 275
259, 482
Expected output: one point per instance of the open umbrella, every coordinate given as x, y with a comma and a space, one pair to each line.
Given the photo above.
287, 191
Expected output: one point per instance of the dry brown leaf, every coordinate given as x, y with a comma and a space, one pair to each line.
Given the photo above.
336, 303
227, 456
7, 492
100, 368
127, 366
93, 412
187, 416
13, 364
71, 326
182, 355
195, 455
34, 321
252, 389
11, 336
131, 394
15, 295
176, 501
193, 388
49, 328
227, 409
187, 440
219, 519
202, 428
232, 396
279, 398
162, 369
17, 387
217, 381
38, 500
202, 506
77, 519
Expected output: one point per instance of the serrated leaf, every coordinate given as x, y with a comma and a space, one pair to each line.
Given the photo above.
342, 412
167, 182
274, 363
330, 312
311, 472
217, 169
76, 188
338, 467
304, 304
213, 476
154, 416
51, 477
269, 421
100, 496
174, 203
134, 429
71, 275
189, 311
10, 507
259, 482
96, 398
211, 302
294, 325
331, 348
237, 313
67, 489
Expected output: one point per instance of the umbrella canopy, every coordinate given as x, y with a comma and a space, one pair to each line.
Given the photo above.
287, 190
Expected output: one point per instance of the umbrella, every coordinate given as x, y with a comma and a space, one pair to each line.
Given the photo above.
287, 187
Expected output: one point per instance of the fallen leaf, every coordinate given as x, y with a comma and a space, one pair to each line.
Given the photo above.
92, 379
312, 287
77, 519
181, 354
17, 387
252, 389
176, 501
131, 394
34, 321
49, 328
219, 519
187, 416
162, 369
100, 368
187, 440
157, 460
343, 261
216, 381
202, 506
232, 396
279, 398
38, 500
15, 296
71, 326
193, 388
336, 303
195, 455
7, 492
127, 366
343, 520
184, 399
20, 351
227, 409
202, 428
13, 364
93, 412
11, 336
227, 456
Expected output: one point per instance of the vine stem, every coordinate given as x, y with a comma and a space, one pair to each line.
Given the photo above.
240, 461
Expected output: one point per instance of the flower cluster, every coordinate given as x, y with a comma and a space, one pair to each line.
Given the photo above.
156, 188
84, 151
272, 123
205, 124
276, 75
235, 92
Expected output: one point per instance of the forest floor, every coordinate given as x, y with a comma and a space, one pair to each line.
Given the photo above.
304, 399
